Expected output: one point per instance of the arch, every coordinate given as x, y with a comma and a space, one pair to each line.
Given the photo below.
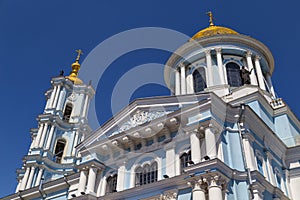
146, 173
68, 112
59, 150
278, 177
111, 185
199, 79
233, 74
259, 162
185, 159
152, 158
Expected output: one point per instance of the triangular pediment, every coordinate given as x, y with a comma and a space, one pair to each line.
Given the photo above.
140, 113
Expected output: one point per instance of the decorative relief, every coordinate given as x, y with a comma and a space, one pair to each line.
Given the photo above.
139, 118
72, 97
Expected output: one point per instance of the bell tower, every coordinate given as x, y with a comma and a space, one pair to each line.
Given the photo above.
62, 125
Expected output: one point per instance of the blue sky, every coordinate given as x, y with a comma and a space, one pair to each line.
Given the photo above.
38, 38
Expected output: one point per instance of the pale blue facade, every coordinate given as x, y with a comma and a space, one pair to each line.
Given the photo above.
216, 137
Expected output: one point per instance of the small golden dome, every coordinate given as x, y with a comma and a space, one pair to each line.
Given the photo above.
214, 30
75, 68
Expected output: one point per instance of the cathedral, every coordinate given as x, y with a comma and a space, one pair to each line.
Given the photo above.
222, 134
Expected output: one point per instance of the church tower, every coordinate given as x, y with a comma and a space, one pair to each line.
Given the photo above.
61, 126
220, 60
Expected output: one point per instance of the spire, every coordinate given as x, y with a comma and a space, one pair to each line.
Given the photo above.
211, 18
75, 68
76, 65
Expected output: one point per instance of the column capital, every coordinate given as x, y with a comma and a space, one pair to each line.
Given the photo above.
181, 65
248, 53
214, 181
170, 196
199, 184
247, 136
257, 57
207, 52
218, 50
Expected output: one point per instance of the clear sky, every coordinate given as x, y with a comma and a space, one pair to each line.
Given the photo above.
38, 38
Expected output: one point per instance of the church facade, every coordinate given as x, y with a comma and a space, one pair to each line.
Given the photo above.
222, 134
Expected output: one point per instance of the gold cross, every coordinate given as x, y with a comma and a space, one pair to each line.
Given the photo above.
211, 18
79, 51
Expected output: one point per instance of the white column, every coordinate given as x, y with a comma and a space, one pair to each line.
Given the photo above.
220, 66
177, 165
195, 147
170, 160
18, 186
25, 178
60, 99
210, 77
260, 75
253, 79
249, 153
49, 140
85, 106
210, 143
271, 88
29, 182
190, 84
56, 96
121, 177
103, 186
75, 143
91, 180
199, 190
39, 177
177, 82
183, 79
257, 191
52, 97
215, 188
38, 137
44, 133
82, 182
32, 145
270, 169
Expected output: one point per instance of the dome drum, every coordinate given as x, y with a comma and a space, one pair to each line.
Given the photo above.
210, 56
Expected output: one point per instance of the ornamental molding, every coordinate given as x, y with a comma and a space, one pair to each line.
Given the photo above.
139, 118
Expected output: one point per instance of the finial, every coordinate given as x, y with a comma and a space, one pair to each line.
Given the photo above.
79, 51
75, 68
211, 18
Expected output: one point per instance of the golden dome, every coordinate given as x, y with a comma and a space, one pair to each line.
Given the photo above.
214, 30
75, 68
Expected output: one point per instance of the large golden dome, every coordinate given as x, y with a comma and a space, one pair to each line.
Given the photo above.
214, 30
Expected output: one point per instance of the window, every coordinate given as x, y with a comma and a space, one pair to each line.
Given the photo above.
146, 174
259, 162
59, 150
199, 79
112, 184
185, 159
278, 177
260, 166
68, 111
233, 74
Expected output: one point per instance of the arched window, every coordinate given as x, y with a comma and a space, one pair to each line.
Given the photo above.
185, 159
111, 184
259, 162
138, 176
233, 74
68, 112
199, 79
153, 172
59, 150
278, 177
146, 174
